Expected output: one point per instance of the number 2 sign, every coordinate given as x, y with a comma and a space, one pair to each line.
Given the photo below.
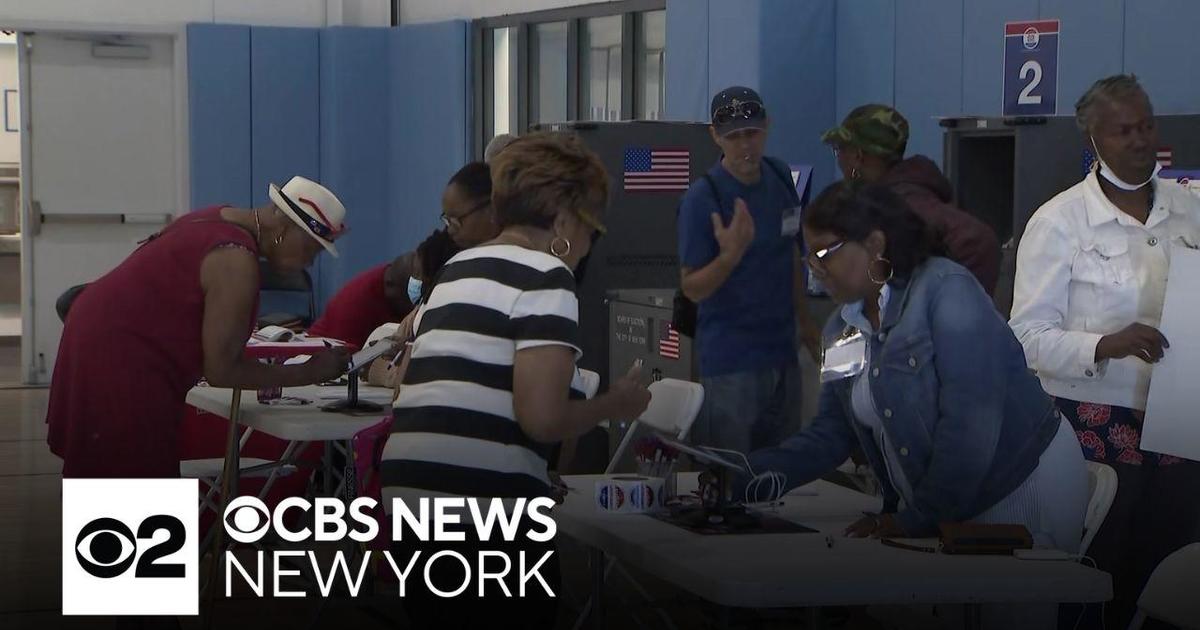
1031, 68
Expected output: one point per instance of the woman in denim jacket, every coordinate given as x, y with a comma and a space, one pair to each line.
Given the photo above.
952, 421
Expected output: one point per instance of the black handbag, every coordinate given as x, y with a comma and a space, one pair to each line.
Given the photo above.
683, 315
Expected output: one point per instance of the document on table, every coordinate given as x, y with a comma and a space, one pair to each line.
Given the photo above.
1172, 423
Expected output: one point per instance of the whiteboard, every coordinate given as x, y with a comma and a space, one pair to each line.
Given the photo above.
1172, 424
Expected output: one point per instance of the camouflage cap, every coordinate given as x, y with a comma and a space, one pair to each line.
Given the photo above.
876, 129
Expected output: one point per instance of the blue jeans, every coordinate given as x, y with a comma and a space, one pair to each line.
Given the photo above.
746, 411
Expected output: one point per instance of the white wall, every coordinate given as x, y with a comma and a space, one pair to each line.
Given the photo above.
414, 11
148, 13
10, 142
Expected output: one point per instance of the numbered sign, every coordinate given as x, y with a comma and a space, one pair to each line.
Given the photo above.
1031, 68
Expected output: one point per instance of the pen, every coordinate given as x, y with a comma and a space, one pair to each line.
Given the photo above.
399, 355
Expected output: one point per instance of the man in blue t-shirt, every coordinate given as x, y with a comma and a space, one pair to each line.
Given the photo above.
742, 262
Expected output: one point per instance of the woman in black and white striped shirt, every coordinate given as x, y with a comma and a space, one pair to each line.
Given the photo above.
488, 376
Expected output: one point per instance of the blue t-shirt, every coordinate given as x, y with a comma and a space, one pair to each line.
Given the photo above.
749, 323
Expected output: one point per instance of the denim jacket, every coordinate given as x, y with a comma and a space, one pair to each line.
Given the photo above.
967, 417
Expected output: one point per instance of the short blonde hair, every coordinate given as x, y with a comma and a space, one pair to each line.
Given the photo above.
544, 173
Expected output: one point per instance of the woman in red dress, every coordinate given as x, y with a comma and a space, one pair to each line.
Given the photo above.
179, 308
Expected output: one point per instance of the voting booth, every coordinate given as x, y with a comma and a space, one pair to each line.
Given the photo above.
650, 165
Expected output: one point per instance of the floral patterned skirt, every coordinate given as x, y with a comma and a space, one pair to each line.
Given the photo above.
1110, 434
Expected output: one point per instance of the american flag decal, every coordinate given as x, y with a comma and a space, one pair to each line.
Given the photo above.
668, 341
1165, 156
657, 169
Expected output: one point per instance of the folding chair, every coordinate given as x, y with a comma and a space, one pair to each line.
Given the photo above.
674, 405
1170, 595
1102, 488
208, 472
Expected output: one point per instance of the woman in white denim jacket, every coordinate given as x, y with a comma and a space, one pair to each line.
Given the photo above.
1090, 283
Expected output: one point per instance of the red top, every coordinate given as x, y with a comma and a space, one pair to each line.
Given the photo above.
357, 309
131, 350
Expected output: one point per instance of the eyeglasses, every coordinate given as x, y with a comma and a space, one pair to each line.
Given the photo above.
749, 110
593, 223
456, 222
817, 258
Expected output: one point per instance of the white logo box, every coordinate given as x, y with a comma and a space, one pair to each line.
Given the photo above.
131, 502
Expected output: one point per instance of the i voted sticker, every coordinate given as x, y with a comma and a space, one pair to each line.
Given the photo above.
845, 358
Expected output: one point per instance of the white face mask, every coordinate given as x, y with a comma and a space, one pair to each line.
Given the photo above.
1107, 173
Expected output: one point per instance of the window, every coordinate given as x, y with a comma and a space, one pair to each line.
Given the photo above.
600, 72
650, 57
602, 62
548, 73
503, 70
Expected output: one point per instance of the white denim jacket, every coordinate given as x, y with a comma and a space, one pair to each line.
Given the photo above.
1086, 269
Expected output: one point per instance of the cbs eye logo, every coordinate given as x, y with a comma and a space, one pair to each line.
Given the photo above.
247, 519
106, 548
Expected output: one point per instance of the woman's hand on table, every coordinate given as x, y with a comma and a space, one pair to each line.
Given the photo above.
327, 365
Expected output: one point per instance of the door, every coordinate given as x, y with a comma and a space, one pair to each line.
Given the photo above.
101, 149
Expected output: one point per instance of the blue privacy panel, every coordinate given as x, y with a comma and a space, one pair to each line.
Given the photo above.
797, 80
354, 148
1160, 48
929, 43
866, 53
429, 142
733, 49
687, 94
284, 107
1090, 46
983, 50
219, 114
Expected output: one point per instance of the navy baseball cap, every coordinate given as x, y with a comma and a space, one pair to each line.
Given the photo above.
737, 108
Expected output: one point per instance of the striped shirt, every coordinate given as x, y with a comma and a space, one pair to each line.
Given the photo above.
454, 430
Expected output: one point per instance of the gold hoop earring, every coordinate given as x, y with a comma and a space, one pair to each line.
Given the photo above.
566, 247
279, 239
890, 274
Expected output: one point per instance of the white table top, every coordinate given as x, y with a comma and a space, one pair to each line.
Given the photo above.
304, 423
795, 570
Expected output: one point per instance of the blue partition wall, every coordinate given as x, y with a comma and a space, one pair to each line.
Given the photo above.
219, 114
333, 105
430, 119
355, 84
284, 107
785, 49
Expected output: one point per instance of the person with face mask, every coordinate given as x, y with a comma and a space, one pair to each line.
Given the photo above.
1091, 278
388, 292
370, 299
425, 263
741, 262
